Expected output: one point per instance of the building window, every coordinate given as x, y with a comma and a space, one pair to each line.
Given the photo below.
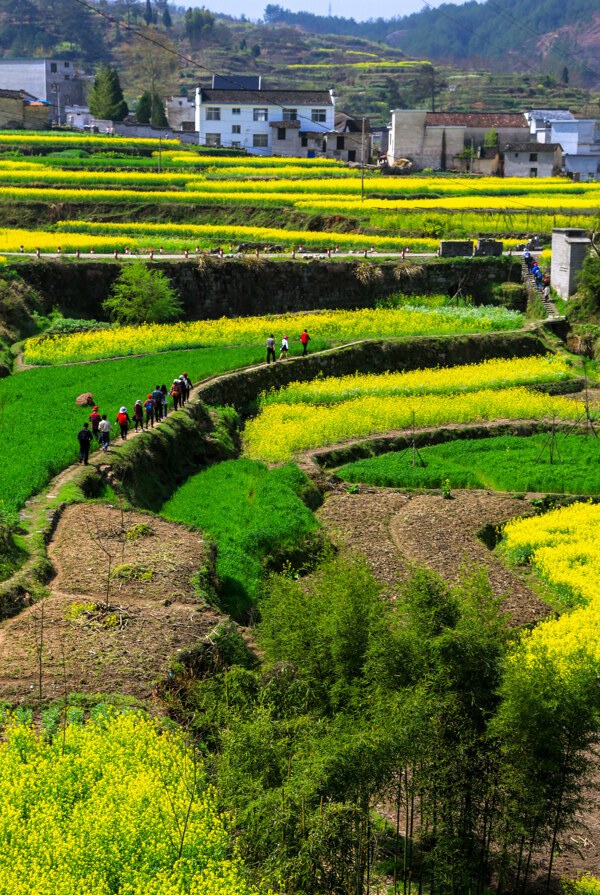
236, 128
261, 114
66, 64
53, 66
235, 144
352, 155
533, 172
236, 111
319, 115
533, 156
213, 113
260, 141
516, 155
281, 133
290, 114
213, 139
339, 143
304, 141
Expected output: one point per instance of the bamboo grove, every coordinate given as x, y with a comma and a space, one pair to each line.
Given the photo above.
405, 739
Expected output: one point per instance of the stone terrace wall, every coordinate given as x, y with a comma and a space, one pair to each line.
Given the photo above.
241, 388
210, 288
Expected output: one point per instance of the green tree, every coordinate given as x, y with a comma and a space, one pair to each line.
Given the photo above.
255, 51
141, 295
491, 138
106, 98
565, 75
148, 17
166, 18
143, 109
198, 23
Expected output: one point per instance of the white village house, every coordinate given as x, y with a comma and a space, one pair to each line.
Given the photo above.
263, 122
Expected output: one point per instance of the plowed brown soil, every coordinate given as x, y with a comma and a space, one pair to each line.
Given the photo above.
394, 530
125, 648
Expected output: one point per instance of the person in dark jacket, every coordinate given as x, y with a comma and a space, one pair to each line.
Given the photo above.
271, 348
157, 397
84, 437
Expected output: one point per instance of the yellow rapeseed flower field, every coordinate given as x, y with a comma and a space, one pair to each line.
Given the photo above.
282, 430
336, 326
442, 380
103, 810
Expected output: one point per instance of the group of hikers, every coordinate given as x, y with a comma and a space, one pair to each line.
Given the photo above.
542, 282
285, 346
145, 413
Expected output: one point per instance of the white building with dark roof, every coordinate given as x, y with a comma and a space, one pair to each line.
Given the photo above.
287, 122
531, 159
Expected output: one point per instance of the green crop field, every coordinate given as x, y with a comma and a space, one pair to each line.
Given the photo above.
506, 463
40, 420
255, 515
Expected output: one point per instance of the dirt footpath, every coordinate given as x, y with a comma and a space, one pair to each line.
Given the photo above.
116, 643
393, 530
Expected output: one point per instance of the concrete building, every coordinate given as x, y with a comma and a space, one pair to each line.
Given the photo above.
433, 139
580, 141
352, 141
539, 122
181, 113
20, 110
287, 122
570, 248
532, 159
53, 81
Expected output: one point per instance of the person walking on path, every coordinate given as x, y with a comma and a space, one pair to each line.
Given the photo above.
188, 386
547, 292
95, 422
123, 419
165, 399
84, 436
157, 398
138, 415
271, 348
285, 347
182, 391
104, 429
149, 408
176, 393
304, 339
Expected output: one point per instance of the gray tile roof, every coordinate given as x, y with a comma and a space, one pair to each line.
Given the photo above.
532, 147
267, 97
552, 114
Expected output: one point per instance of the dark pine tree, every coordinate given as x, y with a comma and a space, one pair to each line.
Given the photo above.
106, 98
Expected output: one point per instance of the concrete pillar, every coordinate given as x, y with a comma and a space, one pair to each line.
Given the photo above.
570, 248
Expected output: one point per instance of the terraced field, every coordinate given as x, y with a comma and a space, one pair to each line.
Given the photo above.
356, 686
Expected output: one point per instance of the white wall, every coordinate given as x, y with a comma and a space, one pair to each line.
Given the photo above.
248, 126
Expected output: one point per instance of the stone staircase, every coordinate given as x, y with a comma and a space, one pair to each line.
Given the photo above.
529, 282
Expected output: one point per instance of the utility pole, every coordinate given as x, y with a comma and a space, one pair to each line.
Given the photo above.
362, 162
159, 152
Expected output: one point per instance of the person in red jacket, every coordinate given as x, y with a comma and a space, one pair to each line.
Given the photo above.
304, 339
123, 419
95, 422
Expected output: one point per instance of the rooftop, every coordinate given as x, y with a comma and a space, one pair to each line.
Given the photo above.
552, 114
269, 97
532, 147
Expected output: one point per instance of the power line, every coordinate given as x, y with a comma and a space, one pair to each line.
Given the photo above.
189, 60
